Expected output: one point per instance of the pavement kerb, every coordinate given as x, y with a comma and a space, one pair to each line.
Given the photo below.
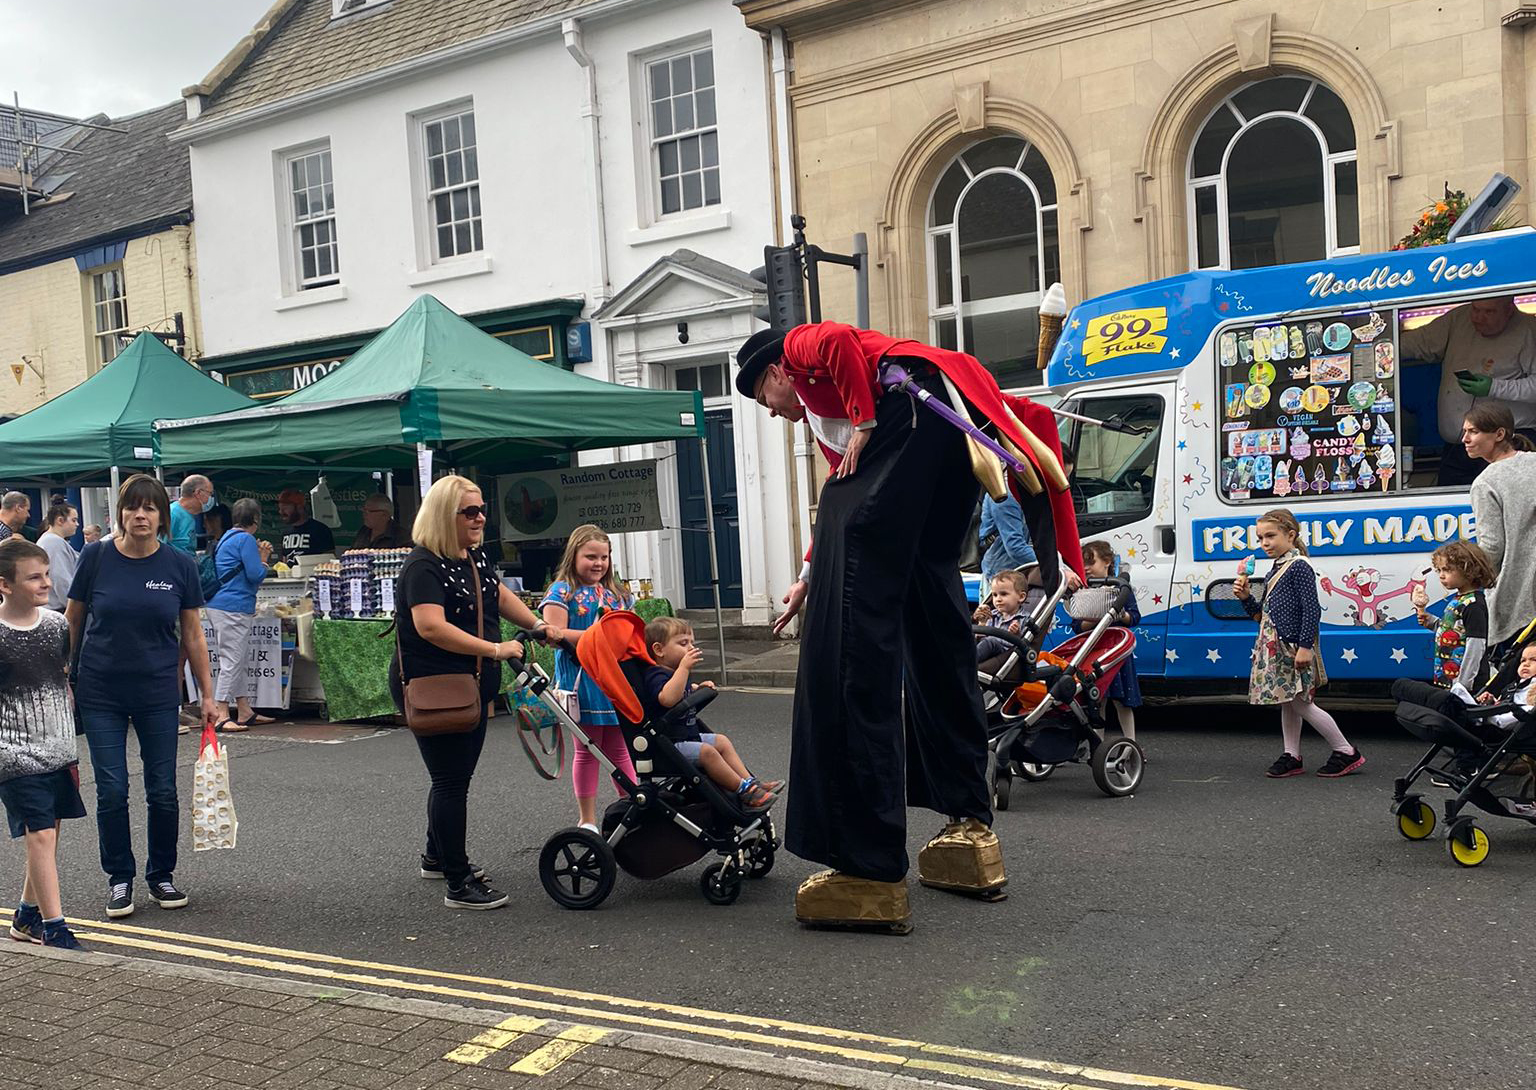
651, 1044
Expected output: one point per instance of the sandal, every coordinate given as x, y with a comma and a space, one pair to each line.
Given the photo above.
230, 726
256, 720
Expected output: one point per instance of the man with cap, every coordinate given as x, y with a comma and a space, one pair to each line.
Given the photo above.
303, 534
887, 627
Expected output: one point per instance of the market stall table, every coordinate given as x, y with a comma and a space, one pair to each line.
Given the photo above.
353, 656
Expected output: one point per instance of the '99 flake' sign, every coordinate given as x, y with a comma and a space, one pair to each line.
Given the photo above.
1125, 333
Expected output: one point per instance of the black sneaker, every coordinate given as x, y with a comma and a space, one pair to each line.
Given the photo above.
1285, 765
27, 924
120, 900
59, 935
475, 895
167, 895
1340, 763
431, 868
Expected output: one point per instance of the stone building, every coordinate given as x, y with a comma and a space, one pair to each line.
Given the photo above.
990, 147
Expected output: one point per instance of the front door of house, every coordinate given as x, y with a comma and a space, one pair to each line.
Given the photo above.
695, 513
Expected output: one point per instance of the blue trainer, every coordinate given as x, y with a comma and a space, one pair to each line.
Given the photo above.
57, 933
27, 924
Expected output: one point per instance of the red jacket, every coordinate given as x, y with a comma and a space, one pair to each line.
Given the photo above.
832, 367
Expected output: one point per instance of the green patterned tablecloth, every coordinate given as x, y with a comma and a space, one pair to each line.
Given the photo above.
353, 662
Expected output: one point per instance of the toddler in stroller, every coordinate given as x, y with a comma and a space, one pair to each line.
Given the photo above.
1043, 708
671, 814
665, 685
1486, 739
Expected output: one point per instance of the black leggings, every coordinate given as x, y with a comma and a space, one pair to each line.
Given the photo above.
450, 761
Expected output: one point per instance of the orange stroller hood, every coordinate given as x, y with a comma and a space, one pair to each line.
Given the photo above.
615, 638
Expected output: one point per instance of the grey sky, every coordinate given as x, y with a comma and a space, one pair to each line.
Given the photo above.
80, 57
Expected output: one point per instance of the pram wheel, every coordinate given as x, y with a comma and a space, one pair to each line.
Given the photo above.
1415, 818
1033, 772
1467, 843
577, 868
721, 883
1117, 767
999, 782
759, 858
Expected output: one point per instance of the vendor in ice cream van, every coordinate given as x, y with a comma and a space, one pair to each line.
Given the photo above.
1487, 351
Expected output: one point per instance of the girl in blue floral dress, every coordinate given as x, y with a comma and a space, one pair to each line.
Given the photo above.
584, 589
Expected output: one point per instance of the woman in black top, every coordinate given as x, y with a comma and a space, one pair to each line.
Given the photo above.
435, 614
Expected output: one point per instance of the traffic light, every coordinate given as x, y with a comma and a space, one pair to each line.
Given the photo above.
781, 271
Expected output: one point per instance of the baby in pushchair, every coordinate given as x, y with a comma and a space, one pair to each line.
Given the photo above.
1044, 708
1483, 738
671, 814
665, 685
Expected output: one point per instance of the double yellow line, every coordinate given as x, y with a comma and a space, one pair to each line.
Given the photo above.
920, 1058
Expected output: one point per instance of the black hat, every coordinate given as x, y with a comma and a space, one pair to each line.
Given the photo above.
762, 350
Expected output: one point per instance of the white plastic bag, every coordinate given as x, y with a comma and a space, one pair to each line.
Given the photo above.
213, 809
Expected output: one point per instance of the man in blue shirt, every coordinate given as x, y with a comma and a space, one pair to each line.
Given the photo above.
196, 494
1005, 540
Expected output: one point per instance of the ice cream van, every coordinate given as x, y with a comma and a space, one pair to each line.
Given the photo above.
1225, 394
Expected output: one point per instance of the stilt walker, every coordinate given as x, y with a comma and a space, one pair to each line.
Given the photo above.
887, 711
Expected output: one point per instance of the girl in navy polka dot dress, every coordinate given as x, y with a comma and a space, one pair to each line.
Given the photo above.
1287, 664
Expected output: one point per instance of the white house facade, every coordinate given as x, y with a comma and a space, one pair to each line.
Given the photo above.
552, 171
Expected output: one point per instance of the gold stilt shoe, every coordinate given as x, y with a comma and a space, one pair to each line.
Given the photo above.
830, 899
964, 858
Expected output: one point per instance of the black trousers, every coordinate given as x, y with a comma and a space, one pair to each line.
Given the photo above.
451, 760
886, 618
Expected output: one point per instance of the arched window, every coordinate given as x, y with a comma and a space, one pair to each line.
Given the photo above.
1272, 178
993, 249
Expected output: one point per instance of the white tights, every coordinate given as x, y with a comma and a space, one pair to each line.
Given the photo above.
1294, 711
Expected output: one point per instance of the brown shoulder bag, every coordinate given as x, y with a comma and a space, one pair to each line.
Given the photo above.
444, 703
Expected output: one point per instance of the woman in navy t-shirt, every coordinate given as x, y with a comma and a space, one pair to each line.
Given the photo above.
130, 596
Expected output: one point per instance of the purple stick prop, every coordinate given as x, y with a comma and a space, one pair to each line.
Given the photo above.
896, 377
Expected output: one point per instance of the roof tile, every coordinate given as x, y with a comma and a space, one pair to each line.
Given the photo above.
308, 50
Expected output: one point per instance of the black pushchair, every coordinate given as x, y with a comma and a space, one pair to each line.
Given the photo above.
1044, 708
1468, 752
672, 817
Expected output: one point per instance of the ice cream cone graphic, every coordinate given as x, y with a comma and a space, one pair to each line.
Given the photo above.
1053, 313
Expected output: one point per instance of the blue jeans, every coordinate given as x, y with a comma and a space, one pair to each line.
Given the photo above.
106, 732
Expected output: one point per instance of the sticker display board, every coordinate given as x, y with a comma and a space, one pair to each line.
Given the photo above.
1309, 406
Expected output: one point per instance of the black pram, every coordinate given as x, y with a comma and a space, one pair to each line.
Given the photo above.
1471, 745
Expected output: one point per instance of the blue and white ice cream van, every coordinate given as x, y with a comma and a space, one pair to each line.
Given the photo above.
1231, 393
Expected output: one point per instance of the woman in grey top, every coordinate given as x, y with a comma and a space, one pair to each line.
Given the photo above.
1504, 505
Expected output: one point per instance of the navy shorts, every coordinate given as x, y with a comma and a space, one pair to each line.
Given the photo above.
38, 802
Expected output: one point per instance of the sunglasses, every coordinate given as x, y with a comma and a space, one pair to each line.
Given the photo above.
473, 511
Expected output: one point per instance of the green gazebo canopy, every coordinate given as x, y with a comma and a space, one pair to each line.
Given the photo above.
433, 378
108, 419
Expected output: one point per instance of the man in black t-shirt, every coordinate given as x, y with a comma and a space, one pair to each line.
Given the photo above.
303, 534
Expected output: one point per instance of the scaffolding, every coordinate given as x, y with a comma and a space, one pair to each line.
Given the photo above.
32, 144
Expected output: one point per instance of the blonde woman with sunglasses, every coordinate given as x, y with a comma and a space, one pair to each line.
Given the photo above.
435, 613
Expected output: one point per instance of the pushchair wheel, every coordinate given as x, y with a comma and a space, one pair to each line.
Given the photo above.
759, 858
577, 868
1467, 843
1117, 767
998, 780
1415, 818
1033, 772
720, 883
